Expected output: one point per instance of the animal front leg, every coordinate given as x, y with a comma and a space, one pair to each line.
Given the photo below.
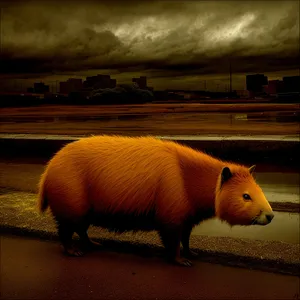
185, 240
171, 241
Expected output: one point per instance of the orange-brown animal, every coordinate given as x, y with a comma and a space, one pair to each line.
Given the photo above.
144, 183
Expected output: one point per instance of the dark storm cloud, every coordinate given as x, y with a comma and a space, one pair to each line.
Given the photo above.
196, 37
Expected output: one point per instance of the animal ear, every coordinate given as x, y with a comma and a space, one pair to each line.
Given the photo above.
225, 175
251, 169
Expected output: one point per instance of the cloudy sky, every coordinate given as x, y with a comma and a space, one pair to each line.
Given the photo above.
177, 44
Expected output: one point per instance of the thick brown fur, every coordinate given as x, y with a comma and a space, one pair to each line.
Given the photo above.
143, 183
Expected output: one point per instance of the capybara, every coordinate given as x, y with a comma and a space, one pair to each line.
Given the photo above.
144, 183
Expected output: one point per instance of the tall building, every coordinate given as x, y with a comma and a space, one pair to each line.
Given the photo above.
255, 83
291, 83
274, 87
64, 87
141, 82
71, 85
40, 88
99, 82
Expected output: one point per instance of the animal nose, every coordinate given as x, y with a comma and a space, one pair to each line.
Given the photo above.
269, 216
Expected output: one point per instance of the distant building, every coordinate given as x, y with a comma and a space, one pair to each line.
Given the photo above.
113, 83
274, 87
141, 82
255, 83
71, 85
242, 93
99, 82
40, 88
63, 87
291, 83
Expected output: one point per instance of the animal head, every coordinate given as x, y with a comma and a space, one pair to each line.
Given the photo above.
240, 200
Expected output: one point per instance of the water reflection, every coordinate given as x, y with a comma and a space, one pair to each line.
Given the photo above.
279, 117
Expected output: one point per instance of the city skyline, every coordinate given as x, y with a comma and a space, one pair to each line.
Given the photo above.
174, 43
197, 83
255, 84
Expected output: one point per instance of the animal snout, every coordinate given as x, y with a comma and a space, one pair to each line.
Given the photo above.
269, 216
264, 218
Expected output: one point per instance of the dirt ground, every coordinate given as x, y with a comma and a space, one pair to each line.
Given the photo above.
35, 269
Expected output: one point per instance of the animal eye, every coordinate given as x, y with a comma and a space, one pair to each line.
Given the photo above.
246, 197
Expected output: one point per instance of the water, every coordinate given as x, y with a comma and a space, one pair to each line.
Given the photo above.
280, 187
279, 117
285, 227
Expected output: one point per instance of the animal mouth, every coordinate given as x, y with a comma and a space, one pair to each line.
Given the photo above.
254, 221
262, 219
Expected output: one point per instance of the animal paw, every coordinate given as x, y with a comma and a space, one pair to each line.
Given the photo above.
89, 245
93, 245
183, 262
190, 254
73, 251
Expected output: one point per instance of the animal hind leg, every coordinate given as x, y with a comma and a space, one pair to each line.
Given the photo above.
86, 243
185, 240
171, 241
65, 233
